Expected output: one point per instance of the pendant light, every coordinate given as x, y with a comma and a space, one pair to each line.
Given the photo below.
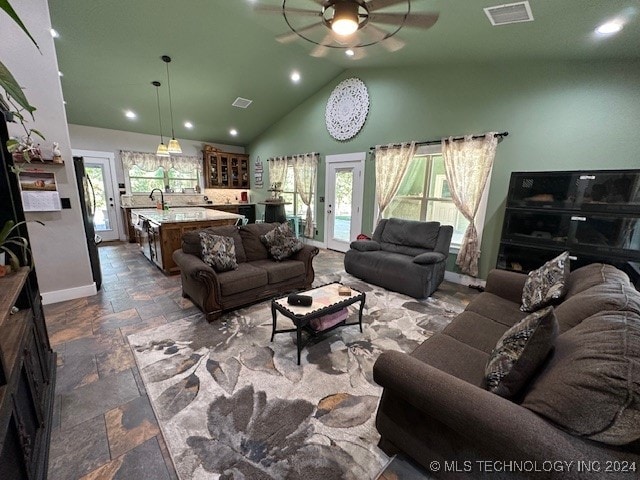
162, 148
174, 146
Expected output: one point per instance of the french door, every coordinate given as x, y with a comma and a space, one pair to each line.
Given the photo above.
343, 203
100, 174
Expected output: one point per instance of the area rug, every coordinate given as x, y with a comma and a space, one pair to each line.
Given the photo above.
234, 405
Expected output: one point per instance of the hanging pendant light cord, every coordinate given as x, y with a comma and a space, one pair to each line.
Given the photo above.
159, 115
173, 135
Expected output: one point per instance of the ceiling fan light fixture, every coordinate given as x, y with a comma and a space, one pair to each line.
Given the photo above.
345, 18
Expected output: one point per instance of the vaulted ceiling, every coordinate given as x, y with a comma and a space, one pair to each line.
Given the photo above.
109, 53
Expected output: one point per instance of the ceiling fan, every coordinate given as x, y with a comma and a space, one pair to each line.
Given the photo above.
349, 24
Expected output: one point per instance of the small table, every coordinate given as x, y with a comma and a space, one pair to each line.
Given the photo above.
326, 300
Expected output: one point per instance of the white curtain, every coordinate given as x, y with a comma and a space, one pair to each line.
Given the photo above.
277, 170
468, 163
150, 162
305, 169
391, 164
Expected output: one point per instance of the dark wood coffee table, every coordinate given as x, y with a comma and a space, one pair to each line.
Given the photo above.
326, 300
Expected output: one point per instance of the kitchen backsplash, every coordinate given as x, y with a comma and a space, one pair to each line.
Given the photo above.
218, 197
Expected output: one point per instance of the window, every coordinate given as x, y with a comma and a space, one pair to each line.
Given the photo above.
290, 195
143, 182
424, 195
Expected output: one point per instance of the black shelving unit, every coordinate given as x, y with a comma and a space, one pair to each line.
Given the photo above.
28, 364
595, 215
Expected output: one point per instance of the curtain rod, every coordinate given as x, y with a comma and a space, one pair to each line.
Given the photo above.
287, 157
500, 136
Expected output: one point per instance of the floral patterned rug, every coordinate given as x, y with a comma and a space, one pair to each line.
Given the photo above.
233, 405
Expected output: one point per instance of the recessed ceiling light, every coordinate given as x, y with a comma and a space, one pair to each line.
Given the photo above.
188, 124
54, 33
609, 28
60, 74
130, 114
349, 53
295, 77
233, 132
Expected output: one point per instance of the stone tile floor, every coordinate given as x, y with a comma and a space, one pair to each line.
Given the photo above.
104, 426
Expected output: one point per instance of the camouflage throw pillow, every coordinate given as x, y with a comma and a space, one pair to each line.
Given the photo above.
519, 353
219, 252
547, 284
281, 242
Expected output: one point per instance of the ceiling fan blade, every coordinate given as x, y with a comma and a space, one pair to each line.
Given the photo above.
373, 5
322, 50
358, 53
291, 36
276, 9
417, 20
391, 44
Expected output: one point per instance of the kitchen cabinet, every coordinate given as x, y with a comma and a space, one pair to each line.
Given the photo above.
595, 215
159, 233
247, 210
225, 169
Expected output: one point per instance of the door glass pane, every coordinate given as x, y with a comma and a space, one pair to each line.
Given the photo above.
342, 208
101, 216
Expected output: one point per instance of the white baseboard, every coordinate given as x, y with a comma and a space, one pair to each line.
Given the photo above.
314, 243
68, 294
463, 279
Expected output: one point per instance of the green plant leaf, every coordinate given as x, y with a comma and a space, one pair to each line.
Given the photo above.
4, 5
14, 261
12, 88
12, 144
6, 230
33, 130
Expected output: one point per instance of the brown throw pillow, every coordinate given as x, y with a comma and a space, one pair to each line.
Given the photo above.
591, 385
546, 284
281, 242
218, 252
519, 353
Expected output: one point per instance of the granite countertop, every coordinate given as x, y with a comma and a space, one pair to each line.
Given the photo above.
138, 207
185, 214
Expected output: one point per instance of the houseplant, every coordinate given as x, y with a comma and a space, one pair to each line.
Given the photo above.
10, 243
14, 104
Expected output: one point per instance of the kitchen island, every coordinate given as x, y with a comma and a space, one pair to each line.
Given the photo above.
159, 232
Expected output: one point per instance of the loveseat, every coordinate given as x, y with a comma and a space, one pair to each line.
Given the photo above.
405, 256
581, 405
257, 277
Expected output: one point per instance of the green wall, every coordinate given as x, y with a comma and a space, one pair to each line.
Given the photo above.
560, 116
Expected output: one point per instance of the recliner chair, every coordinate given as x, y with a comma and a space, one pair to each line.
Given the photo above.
405, 256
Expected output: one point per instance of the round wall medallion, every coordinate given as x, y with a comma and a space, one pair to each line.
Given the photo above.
347, 109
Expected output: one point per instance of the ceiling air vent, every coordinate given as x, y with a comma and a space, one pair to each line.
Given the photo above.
509, 13
241, 102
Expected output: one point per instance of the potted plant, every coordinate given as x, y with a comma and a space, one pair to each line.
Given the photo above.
14, 104
8, 244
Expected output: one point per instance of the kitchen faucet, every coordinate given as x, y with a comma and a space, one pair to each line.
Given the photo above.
161, 196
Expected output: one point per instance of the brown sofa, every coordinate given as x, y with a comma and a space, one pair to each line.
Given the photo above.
583, 404
257, 277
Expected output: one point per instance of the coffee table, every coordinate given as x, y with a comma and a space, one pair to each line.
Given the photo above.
326, 300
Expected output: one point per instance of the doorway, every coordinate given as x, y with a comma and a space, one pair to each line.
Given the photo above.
100, 173
343, 203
